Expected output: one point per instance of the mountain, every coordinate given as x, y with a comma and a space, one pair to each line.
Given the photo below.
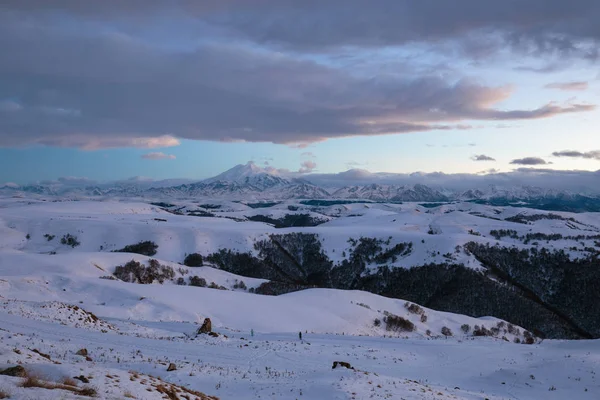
251, 182
247, 181
377, 192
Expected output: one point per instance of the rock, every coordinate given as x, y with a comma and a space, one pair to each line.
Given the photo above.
206, 326
82, 352
17, 371
82, 379
88, 358
213, 334
171, 367
46, 356
341, 364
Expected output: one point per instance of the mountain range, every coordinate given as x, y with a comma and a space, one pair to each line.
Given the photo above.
251, 182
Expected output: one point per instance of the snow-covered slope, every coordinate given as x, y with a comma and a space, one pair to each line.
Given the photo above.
53, 306
56, 300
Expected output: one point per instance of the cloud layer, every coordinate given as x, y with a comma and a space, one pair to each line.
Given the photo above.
116, 74
158, 156
568, 86
591, 155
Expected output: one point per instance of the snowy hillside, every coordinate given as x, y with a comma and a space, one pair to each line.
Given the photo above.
265, 273
53, 307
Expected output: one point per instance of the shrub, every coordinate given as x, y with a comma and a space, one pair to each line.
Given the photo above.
135, 272
529, 339
197, 281
70, 240
146, 248
377, 322
511, 328
423, 318
49, 237
483, 331
181, 281
465, 328
193, 260
213, 285
398, 324
240, 285
414, 308
446, 331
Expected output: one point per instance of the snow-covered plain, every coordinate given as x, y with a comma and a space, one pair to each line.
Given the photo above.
53, 300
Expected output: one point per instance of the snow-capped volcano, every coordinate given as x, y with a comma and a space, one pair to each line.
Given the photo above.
251, 175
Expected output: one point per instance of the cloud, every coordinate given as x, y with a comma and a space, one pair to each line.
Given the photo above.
307, 167
308, 154
158, 156
529, 161
256, 77
10, 106
476, 28
593, 155
568, 86
482, 157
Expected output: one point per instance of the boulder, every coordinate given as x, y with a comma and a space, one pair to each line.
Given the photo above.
82, 352
171, 367
17, 371
206, 326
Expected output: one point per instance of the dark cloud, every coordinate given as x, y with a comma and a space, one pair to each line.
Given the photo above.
535, 26
143, 73
568, 86
529, 161
482, 157
593, 155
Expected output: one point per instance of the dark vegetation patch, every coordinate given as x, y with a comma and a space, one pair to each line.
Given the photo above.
498, 234
162, 204
525, 219
193, 260
200, 213
70, 240
575, 204
396, 323
210, 206
136, 272
548, 293
262, 204
327, 203
289, 220
146, 248
433, 205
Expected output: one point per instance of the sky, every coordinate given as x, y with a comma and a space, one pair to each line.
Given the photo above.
187, 89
